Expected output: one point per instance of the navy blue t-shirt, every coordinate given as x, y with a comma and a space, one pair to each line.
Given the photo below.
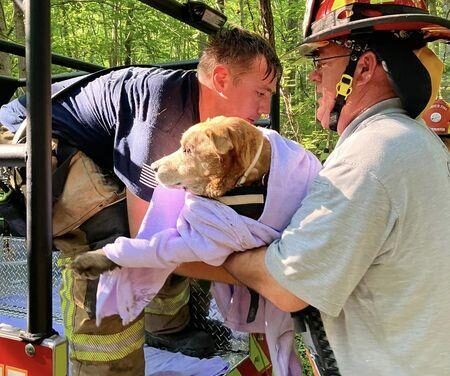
125, 119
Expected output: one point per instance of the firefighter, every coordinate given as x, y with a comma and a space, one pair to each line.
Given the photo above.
369, 246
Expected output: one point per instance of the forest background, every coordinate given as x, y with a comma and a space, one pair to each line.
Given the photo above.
122, 32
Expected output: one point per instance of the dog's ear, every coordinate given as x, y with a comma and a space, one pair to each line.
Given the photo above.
221, 141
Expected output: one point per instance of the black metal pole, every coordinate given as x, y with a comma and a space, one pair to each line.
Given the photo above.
39, 227
275, 110
17, 49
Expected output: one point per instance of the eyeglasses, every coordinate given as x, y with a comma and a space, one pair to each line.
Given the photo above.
317, 61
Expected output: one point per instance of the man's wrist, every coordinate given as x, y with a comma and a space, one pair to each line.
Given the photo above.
247, 267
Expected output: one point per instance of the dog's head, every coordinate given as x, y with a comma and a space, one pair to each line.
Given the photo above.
213, 157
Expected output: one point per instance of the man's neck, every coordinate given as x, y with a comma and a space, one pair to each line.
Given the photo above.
208, 101
367, 92
357, 106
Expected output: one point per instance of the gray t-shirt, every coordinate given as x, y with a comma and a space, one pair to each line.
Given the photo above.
370, 247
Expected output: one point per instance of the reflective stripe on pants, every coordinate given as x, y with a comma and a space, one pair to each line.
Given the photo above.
108, 342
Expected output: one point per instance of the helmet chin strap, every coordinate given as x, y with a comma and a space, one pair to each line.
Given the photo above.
344, 86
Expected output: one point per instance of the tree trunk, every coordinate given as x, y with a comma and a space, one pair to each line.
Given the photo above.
267, 21
128, 43
290, 40
114, 57
5, 62
19, 26
202, 40
432, 9
241, 12
221, 4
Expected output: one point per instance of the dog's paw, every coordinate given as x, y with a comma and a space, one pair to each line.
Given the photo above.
91, 264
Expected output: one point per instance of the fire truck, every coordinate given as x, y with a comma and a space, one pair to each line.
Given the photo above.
32, 341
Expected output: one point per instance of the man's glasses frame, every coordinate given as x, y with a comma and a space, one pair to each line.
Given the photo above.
317, 61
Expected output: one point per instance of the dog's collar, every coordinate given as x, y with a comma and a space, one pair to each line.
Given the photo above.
244, 177
248, 200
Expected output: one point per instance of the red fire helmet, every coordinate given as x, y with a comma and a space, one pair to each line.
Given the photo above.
330, 19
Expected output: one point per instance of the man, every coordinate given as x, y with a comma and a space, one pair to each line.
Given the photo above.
369, 247
122, 121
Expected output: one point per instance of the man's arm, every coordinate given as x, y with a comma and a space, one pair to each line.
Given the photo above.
136, 207
201, 270
250, 269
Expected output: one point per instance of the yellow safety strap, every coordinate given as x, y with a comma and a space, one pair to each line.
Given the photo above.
344, 86
91, 347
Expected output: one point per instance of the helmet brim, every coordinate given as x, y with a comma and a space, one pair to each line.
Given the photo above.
308, 49
434, 27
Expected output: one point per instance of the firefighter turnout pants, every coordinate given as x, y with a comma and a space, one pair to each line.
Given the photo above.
89, 213
169, 311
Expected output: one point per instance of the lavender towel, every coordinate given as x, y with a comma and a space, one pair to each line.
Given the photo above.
164, 363
181, 227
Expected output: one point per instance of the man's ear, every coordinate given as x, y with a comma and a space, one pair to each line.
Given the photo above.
222, 142
220, 77
365, 70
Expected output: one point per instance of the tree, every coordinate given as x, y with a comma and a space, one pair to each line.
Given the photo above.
266, 17
19, 27
5, 61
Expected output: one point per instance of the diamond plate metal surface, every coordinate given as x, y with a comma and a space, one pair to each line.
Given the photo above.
231, 345
14, 279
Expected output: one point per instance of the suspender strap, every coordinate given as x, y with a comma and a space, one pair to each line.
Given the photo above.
65, 152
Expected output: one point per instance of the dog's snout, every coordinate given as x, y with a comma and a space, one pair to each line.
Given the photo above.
154, 166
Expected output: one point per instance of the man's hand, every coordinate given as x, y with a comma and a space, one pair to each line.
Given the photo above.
91, 264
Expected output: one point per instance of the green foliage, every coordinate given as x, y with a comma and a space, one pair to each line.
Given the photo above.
119, 32
301, 349
320, 142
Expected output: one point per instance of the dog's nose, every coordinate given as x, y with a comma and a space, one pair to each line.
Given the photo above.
154, 166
